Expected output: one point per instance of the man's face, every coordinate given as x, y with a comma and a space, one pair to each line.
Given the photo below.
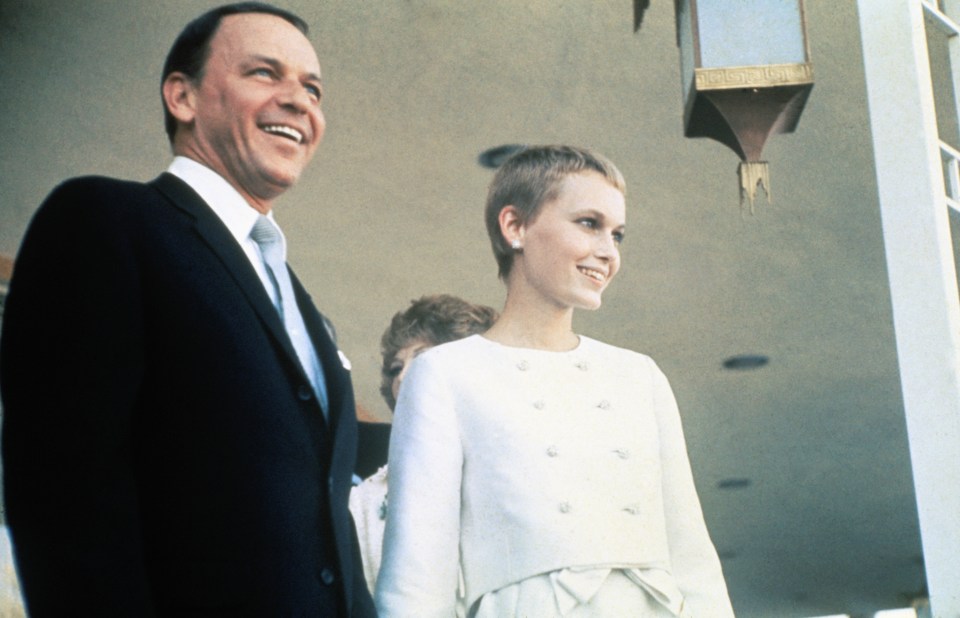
257, 119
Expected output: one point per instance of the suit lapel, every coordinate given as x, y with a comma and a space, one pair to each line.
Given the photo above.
333, 370
215, 234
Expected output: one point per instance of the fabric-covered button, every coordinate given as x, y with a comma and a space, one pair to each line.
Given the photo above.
304, 393
565, 507
539, 404
523, 365
327, 576
552, 451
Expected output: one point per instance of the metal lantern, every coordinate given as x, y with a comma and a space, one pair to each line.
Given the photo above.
746, 73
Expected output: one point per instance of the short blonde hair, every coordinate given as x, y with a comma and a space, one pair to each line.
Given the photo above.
531, 178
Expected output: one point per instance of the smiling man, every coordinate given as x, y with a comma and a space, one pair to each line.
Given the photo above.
179, 427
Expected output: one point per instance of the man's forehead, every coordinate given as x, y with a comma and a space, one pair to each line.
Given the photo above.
248, 35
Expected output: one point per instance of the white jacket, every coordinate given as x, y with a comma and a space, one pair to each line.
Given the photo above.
517, 462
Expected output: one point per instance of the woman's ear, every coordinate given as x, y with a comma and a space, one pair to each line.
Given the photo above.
511, 226
179, 97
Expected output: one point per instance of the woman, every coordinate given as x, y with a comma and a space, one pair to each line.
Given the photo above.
548, 466
427, 322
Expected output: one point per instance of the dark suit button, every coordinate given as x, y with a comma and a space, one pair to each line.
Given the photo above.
326, 575
304, 392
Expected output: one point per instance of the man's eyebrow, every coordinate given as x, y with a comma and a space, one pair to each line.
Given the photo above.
266, 59
278, 66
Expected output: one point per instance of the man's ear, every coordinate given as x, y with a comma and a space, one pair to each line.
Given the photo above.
511, 224
179, 95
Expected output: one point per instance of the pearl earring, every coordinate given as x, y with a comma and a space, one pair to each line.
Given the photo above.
515, 245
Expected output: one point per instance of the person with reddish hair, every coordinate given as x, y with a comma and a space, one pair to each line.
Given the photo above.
429, 321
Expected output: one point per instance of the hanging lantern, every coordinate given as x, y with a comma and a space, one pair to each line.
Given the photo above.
746, 75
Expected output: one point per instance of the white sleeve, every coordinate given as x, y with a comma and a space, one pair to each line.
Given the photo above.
695, 565
419, 573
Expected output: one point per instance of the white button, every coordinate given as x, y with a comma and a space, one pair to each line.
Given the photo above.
604, 405
552, 451
523, 365
622, 453
583, 365
539, 404
565, 507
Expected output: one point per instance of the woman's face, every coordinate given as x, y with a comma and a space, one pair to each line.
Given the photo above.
401, 363
571, 248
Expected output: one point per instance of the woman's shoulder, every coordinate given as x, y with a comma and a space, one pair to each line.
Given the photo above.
453, 351
594, 347
450, 359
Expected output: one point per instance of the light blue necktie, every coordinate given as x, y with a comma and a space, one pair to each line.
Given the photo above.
268, 238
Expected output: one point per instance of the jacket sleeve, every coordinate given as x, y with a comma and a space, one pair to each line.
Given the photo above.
694, 561
72, 361
419, 574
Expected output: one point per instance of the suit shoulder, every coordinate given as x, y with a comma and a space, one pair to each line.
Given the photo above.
108, 189
90, 207
90, 197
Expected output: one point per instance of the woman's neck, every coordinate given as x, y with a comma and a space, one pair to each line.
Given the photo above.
536, 325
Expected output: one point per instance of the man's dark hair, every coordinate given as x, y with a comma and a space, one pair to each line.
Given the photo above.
192, 48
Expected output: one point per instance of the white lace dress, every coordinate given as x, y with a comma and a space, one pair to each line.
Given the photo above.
368, 505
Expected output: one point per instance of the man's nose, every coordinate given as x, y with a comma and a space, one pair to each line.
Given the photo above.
296, 97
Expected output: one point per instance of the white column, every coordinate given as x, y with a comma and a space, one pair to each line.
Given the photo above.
951, 8
923, 280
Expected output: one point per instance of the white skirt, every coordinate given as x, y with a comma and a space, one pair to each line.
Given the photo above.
582, 593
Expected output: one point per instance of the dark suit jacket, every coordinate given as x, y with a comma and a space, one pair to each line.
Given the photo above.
163, 451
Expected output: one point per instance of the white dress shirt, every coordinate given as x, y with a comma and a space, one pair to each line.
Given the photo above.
231, 208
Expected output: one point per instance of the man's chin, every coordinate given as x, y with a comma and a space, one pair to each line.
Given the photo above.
274, 182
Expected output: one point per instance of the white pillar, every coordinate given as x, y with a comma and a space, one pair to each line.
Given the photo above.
923, 279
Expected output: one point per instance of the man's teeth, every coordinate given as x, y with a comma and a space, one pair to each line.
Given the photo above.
297, 136
594, 274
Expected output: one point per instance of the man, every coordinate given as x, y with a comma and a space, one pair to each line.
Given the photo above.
179, 431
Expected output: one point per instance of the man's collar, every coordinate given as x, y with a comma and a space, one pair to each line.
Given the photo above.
235, 212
